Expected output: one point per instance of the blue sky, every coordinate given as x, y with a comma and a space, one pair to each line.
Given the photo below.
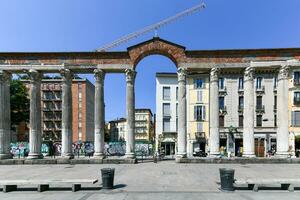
74, 25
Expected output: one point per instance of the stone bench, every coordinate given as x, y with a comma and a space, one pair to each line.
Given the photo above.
43, 185
254, 184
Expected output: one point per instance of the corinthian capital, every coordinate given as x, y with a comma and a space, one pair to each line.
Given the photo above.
99, 75
284, 72
67, 75
181, 72
130, 75
34, 76
214, 74
249, 73
4, 76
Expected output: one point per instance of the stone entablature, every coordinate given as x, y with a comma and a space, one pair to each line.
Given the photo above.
125, 62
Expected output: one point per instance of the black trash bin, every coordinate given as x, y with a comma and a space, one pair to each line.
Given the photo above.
108, 178
227, 179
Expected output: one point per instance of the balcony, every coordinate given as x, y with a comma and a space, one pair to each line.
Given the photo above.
260, 109
260, 90
241, 91
296, 82
222, 110
240, 108
200, 136
275, 108
222, 91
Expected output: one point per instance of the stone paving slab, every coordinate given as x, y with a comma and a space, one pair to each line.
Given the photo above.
144, 180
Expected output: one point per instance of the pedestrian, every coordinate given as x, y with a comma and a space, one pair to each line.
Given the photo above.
53, 150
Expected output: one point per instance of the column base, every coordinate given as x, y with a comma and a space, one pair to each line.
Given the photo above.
98, 156
249, 155
5, 156
130, 155
34, 156
282, 154
67, 155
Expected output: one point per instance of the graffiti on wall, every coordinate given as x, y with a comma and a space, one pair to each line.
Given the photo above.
21, 149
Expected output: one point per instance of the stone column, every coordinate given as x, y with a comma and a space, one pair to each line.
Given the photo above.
248, 129
5, 122
214, 135
99, 113
282, 112
67, 132
35, 127
130, 113
182, 136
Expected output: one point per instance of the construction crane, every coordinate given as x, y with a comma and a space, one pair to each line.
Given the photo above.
152, 27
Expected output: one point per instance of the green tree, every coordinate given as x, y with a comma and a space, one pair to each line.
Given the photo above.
19, 103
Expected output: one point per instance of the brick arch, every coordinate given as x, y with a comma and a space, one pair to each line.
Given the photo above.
156, 46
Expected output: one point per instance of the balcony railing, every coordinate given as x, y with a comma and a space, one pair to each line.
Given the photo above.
260, 108
223, 109
240, 108
222, 91
275, 108
296, 82
260, 90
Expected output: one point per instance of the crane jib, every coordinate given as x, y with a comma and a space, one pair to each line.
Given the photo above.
152, 27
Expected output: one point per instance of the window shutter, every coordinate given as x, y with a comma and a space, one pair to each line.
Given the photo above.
203, 113
292, 119
195, 113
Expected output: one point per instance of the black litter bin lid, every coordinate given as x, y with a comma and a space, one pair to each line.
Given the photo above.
226, 169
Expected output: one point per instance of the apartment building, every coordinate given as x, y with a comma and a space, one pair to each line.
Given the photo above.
83, 109
144, 130
231, 111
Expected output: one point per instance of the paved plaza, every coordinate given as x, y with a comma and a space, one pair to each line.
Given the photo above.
165, 180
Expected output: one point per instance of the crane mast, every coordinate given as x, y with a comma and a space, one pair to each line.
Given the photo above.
152, 27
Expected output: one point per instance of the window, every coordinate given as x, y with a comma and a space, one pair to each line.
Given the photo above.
275, 120
166, 109
221, 121
199, 127
166, 125
166, 93
176, 124
258, 83
296, 98
199, 96
275, 83
176, 109
241, 102
221, 103
199, 113
275, 102
296, 78
221, 83
259, 102
241, 120
198, 83
176, 93
241, 83
258, 120
295, 118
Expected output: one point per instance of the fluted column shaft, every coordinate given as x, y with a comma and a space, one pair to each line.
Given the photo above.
214, 137
67, 132
99, 113
248, 129
282, 112
5, 120
182, 136
35, 127
130, 112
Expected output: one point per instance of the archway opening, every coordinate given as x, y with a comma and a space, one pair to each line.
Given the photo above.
155, 103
